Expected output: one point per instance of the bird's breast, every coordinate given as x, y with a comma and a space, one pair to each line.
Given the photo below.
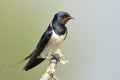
53, 44
57, 38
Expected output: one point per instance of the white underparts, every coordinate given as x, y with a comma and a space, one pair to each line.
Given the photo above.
53, 44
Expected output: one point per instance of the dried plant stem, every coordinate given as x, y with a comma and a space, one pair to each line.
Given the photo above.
57, 57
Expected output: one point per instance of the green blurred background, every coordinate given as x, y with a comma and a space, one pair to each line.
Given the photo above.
92, 45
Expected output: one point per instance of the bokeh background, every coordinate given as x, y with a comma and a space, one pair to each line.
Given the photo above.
92, 45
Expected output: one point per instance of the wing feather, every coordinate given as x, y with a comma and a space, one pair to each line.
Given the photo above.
34, 61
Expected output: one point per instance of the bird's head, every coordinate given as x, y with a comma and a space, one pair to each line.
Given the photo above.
62, 18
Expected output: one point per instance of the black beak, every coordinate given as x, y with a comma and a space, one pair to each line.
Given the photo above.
71, 18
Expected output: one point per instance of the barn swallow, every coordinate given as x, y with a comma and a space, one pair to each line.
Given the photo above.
52, 38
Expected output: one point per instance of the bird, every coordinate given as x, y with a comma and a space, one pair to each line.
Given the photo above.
50, 41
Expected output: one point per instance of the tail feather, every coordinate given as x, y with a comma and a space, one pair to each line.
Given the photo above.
33, 63
14, 65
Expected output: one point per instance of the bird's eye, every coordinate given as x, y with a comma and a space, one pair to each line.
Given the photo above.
65, 16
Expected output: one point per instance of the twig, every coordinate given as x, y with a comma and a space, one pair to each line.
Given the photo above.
57, 57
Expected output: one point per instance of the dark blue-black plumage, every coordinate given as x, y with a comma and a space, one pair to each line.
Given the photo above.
51, 37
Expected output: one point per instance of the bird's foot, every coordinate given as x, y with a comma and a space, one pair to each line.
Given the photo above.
61, 57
